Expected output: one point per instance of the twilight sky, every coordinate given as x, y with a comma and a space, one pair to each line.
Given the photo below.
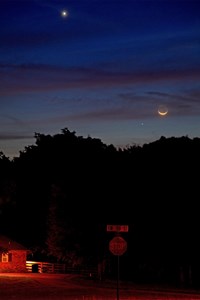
102, 71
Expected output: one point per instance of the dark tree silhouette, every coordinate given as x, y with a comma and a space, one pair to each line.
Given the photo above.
66, 188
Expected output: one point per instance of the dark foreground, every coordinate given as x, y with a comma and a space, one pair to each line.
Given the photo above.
60, 287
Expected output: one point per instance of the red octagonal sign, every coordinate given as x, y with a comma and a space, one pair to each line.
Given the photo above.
118, 245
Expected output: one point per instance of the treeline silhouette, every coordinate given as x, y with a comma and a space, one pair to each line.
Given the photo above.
60, 193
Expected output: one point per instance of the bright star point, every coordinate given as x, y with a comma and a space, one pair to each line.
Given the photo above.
64, 13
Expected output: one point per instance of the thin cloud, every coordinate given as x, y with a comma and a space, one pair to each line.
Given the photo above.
159, 94
14, 136
184, 97
112, 114
125, 113
25, 78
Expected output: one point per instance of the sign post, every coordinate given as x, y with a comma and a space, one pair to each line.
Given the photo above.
117, 246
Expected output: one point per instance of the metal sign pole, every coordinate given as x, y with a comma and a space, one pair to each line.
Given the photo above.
117, 246
117, 277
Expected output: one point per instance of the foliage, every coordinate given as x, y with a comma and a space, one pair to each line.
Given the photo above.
66, 187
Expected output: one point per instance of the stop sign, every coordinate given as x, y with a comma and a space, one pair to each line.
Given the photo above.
118, 245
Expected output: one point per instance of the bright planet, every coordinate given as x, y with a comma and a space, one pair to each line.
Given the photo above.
64, 13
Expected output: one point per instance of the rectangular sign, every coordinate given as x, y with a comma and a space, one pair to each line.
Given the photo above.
117, 228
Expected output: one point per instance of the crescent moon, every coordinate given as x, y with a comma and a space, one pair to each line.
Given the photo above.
162, 111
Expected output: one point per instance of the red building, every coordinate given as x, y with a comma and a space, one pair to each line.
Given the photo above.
12, 256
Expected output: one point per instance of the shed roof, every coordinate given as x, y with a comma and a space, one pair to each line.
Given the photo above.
8, 244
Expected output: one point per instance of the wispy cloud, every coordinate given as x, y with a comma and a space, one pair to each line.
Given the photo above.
14, 136
16, 79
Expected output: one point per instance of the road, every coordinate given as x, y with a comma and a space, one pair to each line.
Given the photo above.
64, 287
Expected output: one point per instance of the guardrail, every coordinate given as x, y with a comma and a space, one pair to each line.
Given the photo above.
44, 267
57, 268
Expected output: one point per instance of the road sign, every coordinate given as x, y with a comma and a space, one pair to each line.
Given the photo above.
117, 228
118, 245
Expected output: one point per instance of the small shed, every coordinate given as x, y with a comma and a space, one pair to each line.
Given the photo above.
12, 256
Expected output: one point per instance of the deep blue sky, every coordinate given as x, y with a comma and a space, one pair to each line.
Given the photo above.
101, 71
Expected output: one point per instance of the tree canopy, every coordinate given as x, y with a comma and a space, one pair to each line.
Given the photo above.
66, 188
